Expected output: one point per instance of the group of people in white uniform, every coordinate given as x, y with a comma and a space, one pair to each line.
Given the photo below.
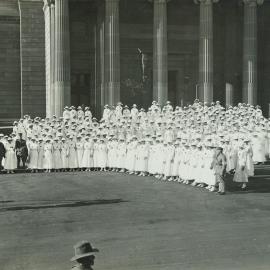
172, 144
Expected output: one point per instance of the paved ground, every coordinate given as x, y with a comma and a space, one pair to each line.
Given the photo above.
137, 223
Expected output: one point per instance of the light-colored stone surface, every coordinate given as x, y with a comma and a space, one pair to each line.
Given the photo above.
160, 52
62, 57
137, 223
112, 52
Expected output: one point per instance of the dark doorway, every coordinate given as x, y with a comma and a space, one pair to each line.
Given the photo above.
80, 89
172, 87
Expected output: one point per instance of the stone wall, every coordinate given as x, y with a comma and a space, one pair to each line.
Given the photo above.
33, 57
136, 31
9, 61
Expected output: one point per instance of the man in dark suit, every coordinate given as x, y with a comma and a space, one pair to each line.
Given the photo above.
21, 151
2, 153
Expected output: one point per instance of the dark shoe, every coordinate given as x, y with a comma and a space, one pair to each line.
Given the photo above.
221, 193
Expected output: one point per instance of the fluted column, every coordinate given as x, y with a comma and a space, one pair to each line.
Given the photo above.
206, 50
229, 94
52, 59
112, 52
101, 58
160, 52
47, 18
62, 57
250, 51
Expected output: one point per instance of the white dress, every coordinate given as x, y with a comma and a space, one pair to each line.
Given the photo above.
121, 155
72, 155
163, 150
250, 163
151, 161
40, 155
48, 157
114, 158
64, 155
169, 157
230, 154
10, 160
176, 161
185, 169
258, 148
181, 162
33, 155
102, 155
209, 174
110, 154
57, 160
142, 158
118, 111
199, 172
106, 114
241, 172
80, 149
95, 154
139, 158
87, 160
131, 154
193, 164
134, 113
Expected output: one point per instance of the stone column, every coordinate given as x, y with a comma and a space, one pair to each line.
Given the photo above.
52, 62
112, 53
160, 52
250, 51
100, 59
229, 94
47, 18
206, 50
62, 57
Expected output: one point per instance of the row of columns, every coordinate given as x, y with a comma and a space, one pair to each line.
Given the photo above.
57, 46
249, 51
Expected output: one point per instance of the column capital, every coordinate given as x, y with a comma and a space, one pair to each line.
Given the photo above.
252, 2
206, 2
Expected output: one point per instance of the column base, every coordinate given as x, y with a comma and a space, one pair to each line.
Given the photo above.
251, 92
229, 94
160, 93
61, 97
206, 93
113, 93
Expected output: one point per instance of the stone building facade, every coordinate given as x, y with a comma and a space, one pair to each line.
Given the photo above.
96, 52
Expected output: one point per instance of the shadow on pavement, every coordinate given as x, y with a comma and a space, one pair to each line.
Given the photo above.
51, 204
257, 184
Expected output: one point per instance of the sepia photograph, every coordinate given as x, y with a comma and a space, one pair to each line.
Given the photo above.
134, 135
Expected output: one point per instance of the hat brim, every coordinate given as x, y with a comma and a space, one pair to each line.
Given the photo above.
74, 258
